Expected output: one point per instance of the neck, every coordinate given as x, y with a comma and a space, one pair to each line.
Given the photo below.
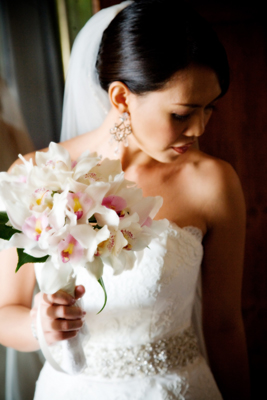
131, 156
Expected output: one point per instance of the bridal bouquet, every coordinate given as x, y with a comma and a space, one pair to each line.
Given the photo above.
63, 214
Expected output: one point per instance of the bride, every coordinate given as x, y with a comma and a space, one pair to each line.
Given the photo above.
158, 71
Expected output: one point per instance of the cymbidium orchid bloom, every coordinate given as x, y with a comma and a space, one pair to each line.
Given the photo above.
41, 200
80, 203
117, 204
33, 227
106, 171
70, 250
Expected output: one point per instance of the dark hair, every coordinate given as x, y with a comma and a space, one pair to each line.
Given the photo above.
150, 40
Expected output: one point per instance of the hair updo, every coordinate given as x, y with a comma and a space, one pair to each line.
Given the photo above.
150, 40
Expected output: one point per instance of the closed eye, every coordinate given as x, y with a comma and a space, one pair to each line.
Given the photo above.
211, 107
181, 118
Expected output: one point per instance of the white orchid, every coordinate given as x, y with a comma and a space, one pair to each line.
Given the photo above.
66, 213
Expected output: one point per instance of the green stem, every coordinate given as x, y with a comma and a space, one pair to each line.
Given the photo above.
101, 283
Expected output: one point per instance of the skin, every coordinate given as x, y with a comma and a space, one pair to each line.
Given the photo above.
198, 190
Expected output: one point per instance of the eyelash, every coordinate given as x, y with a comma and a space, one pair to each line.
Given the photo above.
212, 108
183, 118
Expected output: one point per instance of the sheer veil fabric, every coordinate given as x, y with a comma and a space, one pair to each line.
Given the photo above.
85, 102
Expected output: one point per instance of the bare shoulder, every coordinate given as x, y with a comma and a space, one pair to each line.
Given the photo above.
216, 173
218, 188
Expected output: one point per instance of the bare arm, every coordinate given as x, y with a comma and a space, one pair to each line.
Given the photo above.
222, 285
60, 319
16, 291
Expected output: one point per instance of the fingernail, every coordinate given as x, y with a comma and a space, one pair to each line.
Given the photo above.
84, 312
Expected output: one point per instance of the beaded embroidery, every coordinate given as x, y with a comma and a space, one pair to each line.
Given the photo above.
146, 359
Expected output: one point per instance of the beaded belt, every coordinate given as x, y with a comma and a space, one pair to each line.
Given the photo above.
145, 359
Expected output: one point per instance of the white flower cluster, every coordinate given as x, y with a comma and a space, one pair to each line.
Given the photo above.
81, 213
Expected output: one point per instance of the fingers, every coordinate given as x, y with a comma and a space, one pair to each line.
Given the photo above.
79, 291
67, 325
63, 312
61, 317
53, 337
64, 298
60, 297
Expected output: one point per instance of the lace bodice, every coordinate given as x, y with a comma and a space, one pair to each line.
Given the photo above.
154, 300
142, 346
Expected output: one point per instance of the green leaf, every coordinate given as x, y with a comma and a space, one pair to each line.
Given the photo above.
25, 258
6, 232
101, 282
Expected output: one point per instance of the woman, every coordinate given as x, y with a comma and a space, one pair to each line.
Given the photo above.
162, 71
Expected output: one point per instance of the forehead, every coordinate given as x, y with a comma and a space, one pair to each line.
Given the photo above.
195, 84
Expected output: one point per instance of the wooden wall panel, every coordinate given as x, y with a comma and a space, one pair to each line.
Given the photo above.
237, 134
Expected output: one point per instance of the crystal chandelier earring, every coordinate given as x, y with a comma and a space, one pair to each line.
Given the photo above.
121, 131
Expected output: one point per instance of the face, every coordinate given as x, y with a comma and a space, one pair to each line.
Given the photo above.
166, 123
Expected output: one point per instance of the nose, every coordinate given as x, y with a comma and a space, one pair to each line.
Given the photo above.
196, 125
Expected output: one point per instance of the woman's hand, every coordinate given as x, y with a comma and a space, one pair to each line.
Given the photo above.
61, 319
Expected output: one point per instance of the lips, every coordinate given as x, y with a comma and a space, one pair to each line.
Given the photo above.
182, 149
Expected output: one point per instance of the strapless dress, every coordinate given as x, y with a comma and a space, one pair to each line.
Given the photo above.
142, 346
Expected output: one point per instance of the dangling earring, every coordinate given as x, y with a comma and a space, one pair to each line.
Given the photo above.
120, 131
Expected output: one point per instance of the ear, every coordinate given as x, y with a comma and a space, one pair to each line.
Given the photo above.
119, 96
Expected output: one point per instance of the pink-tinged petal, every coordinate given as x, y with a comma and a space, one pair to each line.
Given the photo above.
33, 226
73, 164
22, 178
148, 222
80, 203
115, 203
41, 199
70, 250
147, 207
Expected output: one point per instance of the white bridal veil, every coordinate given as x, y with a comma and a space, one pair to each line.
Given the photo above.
85, 102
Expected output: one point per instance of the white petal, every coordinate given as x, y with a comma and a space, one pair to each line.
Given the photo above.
21, 241
97, 191
147, 207
95, 267
106, 216
85, 235
17, 214
55, 152
84, 166
51, 276
58, 212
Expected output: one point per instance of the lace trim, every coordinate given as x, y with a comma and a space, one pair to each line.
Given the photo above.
147, 359
194, 231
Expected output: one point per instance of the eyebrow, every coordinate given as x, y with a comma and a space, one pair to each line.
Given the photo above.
188, 105
192, 105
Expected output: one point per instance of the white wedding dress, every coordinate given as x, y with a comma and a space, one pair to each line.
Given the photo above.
142, 346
